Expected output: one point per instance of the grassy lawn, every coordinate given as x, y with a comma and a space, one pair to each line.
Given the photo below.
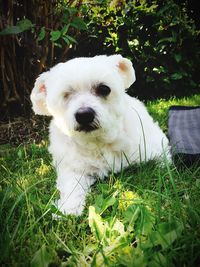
147, 215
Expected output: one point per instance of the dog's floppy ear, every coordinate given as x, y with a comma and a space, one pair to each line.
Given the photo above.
38, 95
125, 69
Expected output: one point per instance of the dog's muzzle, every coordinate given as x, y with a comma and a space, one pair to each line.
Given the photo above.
86, 118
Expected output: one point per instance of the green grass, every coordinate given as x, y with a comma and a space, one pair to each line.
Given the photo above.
145, 216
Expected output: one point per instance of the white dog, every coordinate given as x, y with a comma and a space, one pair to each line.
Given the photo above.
96, 127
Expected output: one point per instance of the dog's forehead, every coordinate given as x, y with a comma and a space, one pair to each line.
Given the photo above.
86, 66
97, 61
82, 73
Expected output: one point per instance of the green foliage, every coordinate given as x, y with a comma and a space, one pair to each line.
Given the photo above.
34, 36
21, 26
159, 38
68, 21
134, 238
41, 258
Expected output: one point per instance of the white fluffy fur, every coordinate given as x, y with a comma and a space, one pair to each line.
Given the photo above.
126, 132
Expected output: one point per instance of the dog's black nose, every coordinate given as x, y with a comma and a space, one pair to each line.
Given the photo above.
85, 115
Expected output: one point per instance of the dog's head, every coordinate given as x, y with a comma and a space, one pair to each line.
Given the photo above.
85, 95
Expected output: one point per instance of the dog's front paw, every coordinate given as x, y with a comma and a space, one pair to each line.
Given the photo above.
71, 207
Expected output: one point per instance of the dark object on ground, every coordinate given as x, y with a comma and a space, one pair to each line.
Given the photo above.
184, 134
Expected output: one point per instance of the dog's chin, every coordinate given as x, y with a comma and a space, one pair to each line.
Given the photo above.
87, 128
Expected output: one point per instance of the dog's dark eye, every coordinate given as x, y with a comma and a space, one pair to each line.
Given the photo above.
102, 90
65, 95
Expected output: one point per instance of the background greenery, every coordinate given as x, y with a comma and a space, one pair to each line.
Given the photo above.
160, 37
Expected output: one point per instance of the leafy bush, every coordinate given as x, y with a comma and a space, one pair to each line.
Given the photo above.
158, 36
34, 36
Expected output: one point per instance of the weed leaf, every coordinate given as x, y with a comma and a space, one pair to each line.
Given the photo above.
101, 203
41, 258
166, 234
96, 223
